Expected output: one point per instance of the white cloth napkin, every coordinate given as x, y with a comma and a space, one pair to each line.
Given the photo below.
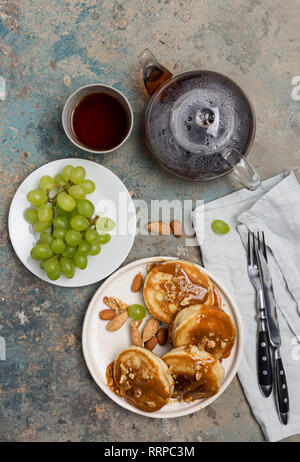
275, 209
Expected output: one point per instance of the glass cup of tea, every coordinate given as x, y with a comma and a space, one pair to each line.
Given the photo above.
97, 118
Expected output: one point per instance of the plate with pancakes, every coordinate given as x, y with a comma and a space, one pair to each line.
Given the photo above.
203, 341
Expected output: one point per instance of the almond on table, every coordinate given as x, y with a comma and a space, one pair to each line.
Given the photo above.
176, 227
159, 227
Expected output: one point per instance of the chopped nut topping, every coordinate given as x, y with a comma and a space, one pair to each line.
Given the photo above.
198, 376
202, 343
186, 300
151, 404
210, 344
123, 379
137, 392
123, 369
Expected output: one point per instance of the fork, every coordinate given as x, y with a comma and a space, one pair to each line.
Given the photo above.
264, 362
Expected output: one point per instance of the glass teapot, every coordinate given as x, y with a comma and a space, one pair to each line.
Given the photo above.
199, 125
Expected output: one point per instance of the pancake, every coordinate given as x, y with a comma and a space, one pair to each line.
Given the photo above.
142, 378
172, 285
196, 373
206, 326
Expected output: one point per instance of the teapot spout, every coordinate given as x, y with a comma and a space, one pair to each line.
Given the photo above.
154, 74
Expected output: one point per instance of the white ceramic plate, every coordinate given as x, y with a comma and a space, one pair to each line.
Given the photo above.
111, 198
101, 347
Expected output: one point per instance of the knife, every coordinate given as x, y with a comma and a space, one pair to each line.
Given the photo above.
282, 396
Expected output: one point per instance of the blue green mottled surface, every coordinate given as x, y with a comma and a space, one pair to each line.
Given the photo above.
49, 49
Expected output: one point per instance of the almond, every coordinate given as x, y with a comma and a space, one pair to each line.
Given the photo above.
117, 322
107, 314
150, 329
176, 227
162, 336
135, 334
115, 303
137, 282
159, 227
151, 343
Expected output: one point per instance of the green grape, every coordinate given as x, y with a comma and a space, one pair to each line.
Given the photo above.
60, 212
77, 191
89, 186
61, 222
59, 233
77, 175
38, 226
80, 260
69, 251
220, 227
85, 208
67, 267
43, 251
79, 223
37, 197
73, 237
105, 224
59, 181
66, 202
45, 213
42, 264
91, 235
54, 276
104, 238
47, 183
51, 266
46, 238
34, 254
66, 172
58, 246
136, 312
31, 215
83, 247
95, 248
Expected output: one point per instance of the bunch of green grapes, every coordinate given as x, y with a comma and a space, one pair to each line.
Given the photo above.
64, 218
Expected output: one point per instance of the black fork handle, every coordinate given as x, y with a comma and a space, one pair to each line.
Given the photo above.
264, 364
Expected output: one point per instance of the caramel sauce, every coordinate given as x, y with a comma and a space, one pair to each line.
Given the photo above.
110, 379
188, 388
189, 288
214, 325
218, 299
145, 394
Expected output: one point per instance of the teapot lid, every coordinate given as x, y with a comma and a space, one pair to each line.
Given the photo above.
202, 120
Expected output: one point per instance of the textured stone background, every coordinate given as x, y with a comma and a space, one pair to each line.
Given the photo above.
47, 50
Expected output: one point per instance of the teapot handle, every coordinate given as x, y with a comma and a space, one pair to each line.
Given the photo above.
242, 171
154, 74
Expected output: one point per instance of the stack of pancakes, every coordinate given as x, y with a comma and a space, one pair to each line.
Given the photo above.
179, 294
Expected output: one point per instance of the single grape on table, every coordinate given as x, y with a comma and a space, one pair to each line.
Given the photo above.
69, 231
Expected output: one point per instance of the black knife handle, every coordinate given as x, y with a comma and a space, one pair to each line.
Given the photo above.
264, 364
282, 394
